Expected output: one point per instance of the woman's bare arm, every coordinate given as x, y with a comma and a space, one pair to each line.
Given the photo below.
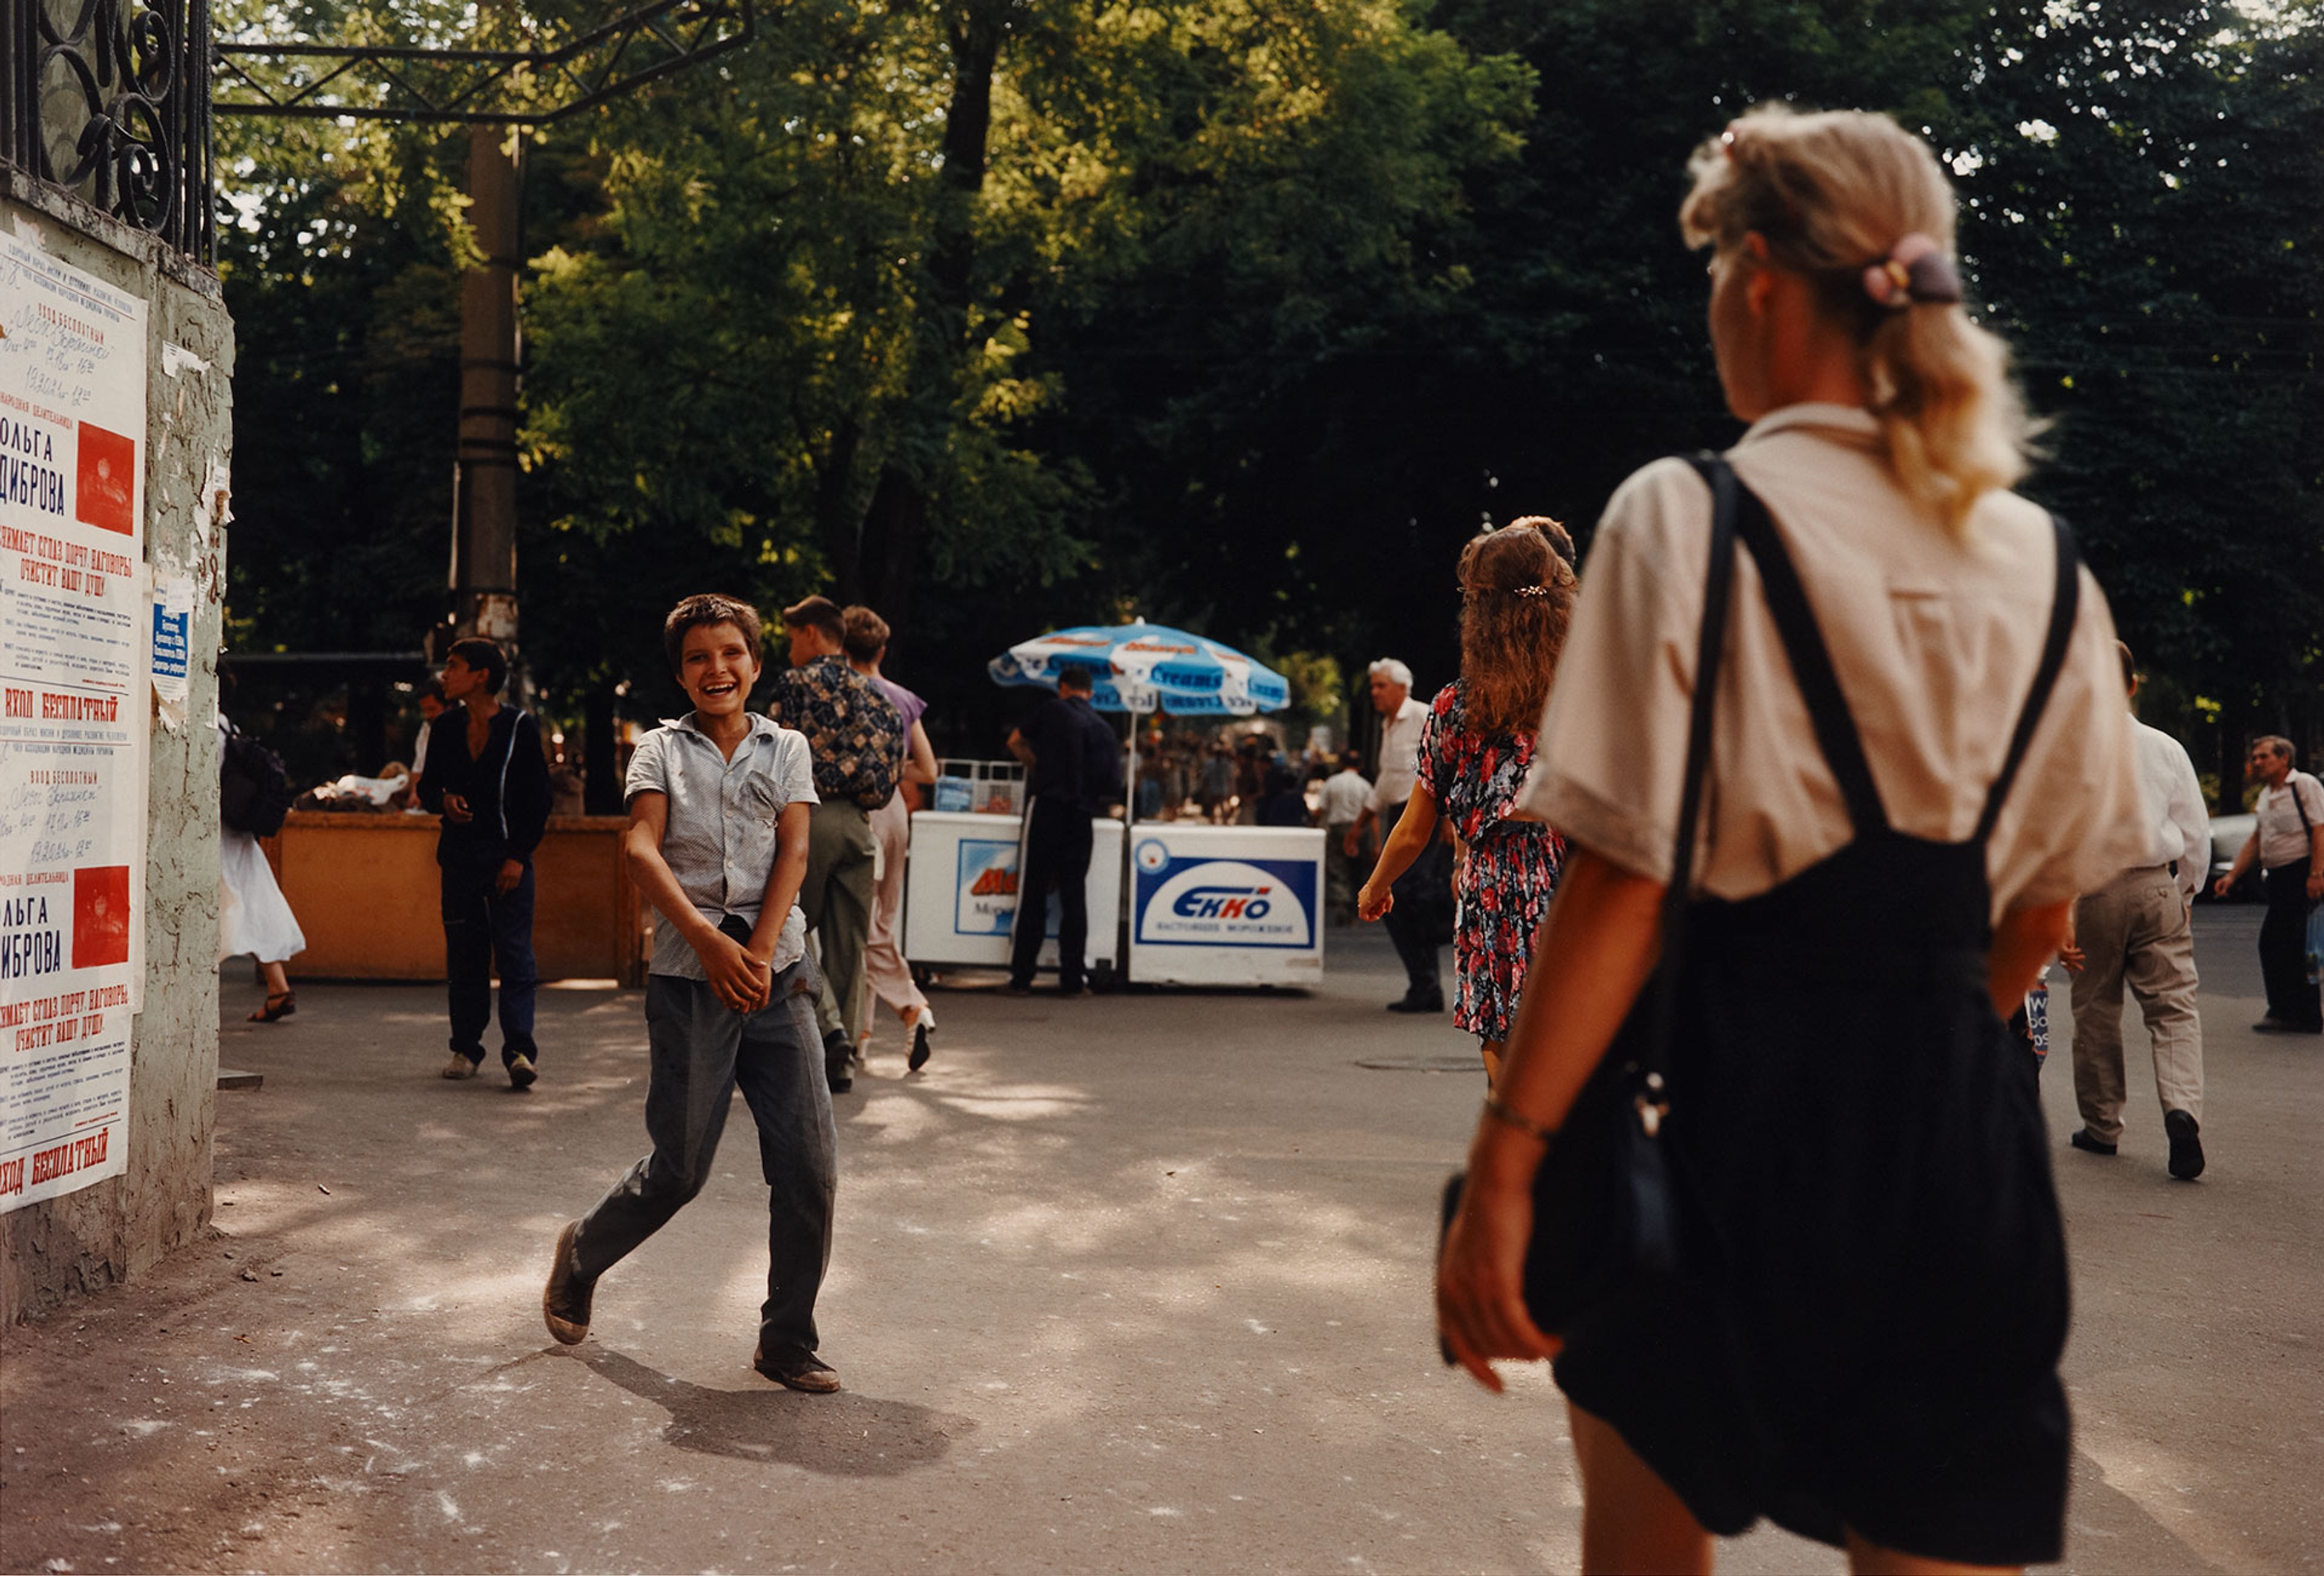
1413, 829
2024, 940
920, 760
1596, 948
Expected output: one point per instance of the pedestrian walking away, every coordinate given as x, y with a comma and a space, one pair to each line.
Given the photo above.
2137, 930
1073, 772
721, 804
1476, 747
254, 919
1346, 794
1420, 921
1859, 1337
487, 775
857, 741
2288, 845
886, 975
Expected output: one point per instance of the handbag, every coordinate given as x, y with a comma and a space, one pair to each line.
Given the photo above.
1605, 1214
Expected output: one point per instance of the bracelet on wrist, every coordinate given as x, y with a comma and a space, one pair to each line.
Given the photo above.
1510, 1117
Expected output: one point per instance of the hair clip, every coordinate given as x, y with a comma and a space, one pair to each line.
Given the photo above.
1536, 591
1916, 270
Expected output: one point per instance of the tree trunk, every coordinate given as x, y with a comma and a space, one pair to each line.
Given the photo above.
895, 523
601, 788
835, 525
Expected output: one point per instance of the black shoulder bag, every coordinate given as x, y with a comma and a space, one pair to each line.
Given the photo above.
1604, 1217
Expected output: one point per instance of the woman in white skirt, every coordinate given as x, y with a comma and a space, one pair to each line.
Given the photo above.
255, 919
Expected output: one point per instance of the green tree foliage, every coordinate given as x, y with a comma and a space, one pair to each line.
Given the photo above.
1241, 315
2147, 181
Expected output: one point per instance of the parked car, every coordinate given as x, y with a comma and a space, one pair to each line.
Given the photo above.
2228, 835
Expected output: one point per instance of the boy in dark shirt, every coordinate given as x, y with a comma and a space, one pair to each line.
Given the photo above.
487, 775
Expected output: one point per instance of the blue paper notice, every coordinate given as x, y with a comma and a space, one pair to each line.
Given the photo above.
172, 640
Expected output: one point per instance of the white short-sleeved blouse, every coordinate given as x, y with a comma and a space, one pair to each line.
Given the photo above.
1935, 636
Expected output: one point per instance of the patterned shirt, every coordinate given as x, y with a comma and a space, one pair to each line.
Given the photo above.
856, 735
719, 839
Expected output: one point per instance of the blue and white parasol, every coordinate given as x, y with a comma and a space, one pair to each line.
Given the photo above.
1141, 667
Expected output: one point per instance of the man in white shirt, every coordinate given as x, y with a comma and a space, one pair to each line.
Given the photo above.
1346, 796
2289, 844
1423, 892
2135, 930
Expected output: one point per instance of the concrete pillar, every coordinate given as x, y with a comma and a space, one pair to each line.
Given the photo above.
117, 1227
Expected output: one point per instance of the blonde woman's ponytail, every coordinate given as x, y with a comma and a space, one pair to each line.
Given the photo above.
1860, 207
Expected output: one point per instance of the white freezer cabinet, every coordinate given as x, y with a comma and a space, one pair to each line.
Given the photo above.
960, 891
1226, 904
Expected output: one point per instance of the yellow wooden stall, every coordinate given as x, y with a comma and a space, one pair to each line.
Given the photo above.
364, 889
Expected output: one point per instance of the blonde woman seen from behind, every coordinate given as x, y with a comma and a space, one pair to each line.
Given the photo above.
1861, 1340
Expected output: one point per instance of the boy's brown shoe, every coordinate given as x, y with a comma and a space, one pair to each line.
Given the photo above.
565, 1302
798, 1371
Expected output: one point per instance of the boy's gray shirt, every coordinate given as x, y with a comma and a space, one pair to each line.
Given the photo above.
720, 841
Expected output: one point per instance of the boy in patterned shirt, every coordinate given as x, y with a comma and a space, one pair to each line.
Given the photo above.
719, 802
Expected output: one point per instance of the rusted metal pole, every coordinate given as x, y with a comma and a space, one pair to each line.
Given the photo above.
483, 554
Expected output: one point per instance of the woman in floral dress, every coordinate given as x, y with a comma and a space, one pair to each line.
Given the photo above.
1516, 594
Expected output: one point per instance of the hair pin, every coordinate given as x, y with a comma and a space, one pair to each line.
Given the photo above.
1916, 270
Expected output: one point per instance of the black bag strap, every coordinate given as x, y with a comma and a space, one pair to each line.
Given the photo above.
1710, 646
1811, 668
2064, 607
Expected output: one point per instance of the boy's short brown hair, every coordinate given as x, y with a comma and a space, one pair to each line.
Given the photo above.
864, 634
702, 611
819, 613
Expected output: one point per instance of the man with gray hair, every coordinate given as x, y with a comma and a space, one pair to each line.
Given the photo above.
1418, 924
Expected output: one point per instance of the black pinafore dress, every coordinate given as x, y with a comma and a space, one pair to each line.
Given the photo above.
1864, 1330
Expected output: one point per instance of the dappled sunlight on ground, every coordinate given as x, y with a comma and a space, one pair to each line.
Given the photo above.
1135, 1283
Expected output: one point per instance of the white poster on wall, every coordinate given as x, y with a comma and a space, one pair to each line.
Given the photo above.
74, 659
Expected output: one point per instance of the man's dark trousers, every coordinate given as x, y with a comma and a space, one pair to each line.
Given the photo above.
701, 1049
485, 929
1416, 923
1057, 854
2283, 948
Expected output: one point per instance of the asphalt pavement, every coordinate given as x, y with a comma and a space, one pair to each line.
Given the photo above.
1129, 1283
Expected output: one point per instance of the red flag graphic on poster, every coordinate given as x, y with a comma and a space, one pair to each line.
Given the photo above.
108, 479
100, 932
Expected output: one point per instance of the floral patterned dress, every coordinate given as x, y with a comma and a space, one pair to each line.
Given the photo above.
1512, 867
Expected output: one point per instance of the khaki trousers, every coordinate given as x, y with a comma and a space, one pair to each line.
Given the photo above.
2135, 930
836, 899
888, 976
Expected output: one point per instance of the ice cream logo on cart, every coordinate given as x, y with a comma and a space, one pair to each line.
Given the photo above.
1223, 902
987, 889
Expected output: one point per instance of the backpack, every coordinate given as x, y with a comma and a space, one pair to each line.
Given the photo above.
254, 785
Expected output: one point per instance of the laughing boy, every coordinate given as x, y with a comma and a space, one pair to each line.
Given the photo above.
717, 844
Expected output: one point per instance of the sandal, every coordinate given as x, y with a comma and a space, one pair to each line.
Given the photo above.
276, 1008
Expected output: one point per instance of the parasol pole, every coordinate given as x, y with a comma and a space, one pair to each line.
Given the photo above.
1126, 917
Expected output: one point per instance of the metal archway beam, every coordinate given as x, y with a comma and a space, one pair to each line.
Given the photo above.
521, 87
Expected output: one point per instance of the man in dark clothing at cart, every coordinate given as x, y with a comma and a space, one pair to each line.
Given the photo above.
488, 777
1073, 771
